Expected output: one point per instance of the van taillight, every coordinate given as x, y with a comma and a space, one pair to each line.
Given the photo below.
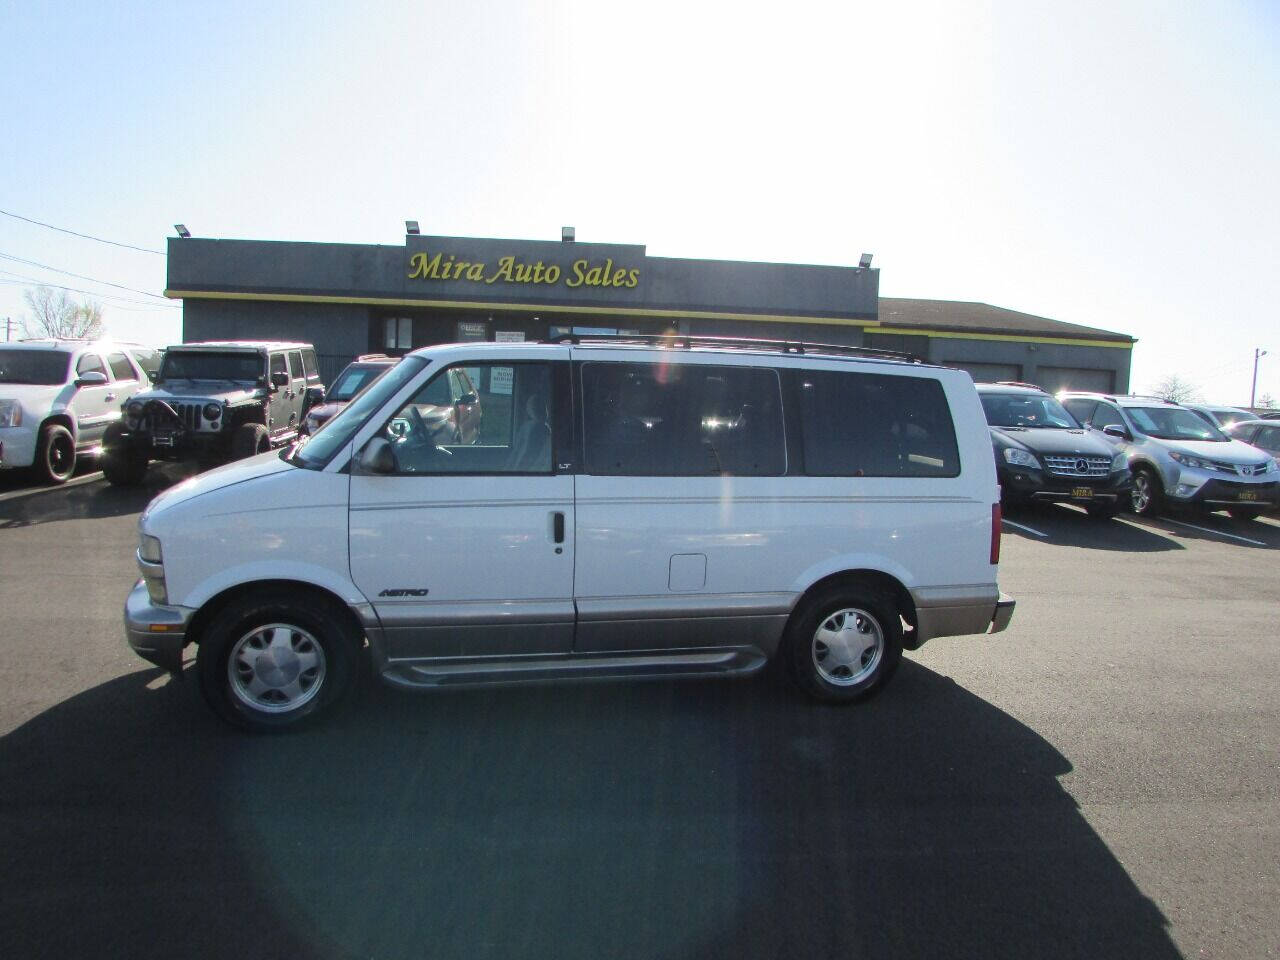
995, 533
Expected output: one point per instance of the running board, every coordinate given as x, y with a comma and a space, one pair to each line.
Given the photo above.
548, 668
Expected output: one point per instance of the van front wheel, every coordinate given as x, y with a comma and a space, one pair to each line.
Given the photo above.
844, 644
272, 660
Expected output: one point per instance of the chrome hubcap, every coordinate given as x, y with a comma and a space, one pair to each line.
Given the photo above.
847, 647
276, 668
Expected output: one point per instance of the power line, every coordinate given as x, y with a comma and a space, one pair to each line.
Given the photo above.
21, 277
80, 276
111, 299
85, 236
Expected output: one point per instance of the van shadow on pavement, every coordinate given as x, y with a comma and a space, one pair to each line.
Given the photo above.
93, 500
717, 819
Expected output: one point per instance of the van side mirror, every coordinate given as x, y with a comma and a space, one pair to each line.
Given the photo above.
91, 379
315, 395
152, 375
1117, 431
378, 457
279, 379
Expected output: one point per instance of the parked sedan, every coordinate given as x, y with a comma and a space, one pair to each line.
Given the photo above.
354, 377
1263, 434
1221, 417
1042, 453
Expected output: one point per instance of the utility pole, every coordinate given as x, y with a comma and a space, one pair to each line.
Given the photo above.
8, 329
1253, 392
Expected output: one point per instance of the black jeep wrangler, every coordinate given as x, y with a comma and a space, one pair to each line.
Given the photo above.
214, 402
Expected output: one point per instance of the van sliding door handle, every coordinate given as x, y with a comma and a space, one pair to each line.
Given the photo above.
557, 526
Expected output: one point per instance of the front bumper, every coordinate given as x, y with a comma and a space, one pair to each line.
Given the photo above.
1194, 488
155, 632
1024, 483
17, 447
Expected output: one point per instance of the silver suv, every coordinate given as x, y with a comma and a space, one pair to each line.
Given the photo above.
59, 397
1178, 459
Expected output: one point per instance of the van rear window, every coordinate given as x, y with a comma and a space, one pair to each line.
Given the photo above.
682, 420
872, 425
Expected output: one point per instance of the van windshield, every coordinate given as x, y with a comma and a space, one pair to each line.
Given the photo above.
337, 433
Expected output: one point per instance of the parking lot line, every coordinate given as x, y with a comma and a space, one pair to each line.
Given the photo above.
32, 491
1019, 526
1229, 536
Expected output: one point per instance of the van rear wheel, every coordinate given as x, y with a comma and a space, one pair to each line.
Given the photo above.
844, 644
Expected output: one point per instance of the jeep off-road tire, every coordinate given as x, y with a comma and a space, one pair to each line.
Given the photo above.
56, 454
249, 439
123, 464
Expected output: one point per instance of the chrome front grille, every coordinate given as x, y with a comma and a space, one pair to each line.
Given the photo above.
1078, 466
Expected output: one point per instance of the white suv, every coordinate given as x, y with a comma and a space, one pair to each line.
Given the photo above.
661, 506
57, 398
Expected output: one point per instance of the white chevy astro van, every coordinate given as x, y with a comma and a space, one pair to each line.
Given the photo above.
631, 507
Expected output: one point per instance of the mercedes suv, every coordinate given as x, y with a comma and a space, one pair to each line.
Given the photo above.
1178, 459
1043, 454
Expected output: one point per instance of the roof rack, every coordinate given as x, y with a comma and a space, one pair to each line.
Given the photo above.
683, 341
1019, 383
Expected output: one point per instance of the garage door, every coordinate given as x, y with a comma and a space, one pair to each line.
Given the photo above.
1054, 379
988, 372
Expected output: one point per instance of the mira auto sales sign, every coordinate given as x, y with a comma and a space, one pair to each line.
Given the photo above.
535, 268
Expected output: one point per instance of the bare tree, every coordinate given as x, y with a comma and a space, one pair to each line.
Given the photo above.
1266, 401
54, 314
1175, 389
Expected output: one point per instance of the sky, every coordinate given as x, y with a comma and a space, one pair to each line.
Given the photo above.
1109, 164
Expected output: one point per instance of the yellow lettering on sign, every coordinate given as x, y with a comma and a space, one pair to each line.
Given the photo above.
423, 266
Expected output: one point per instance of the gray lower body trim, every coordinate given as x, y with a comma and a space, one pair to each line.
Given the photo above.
954, 610
412, 630
682, 622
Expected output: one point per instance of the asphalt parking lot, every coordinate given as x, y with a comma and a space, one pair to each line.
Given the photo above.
1102, 780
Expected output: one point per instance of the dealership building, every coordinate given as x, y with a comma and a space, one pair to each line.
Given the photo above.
351, 299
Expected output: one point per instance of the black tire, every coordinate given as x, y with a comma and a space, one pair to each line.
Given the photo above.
1147, 497
251, 683
55, 454
1103, 511
123, 464
1245, 513
249, 439
861, 609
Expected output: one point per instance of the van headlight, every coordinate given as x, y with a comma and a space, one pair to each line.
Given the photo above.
10, 413
1020, 458
150, 561
149, 549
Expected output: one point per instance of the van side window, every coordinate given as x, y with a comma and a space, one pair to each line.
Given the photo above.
449, 426
872, 425
309, 364
278, 364
682, 420
295, 365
